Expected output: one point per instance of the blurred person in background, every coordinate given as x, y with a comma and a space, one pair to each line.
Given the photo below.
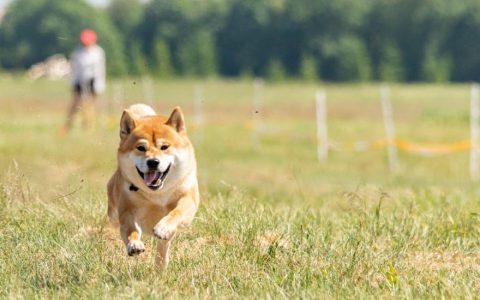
88, 79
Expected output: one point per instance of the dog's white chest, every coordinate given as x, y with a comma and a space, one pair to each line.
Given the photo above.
161, 200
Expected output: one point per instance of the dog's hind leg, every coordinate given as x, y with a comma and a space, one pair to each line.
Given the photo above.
112, 211
161, 258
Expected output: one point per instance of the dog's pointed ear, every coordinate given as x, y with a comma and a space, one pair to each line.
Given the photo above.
177, 121
127, 124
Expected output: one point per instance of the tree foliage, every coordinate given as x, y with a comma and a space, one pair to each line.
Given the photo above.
308, 68
33, 30
341, 40
390, 66
137, 64
161, 66
275, 70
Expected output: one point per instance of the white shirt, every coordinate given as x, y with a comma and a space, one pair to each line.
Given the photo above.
89, 63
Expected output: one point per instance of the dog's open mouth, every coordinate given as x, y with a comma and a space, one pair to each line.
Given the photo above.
154, 179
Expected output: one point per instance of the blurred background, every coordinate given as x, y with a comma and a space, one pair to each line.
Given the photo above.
345, 40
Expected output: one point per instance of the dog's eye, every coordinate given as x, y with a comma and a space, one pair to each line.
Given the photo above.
141, 148
164, 147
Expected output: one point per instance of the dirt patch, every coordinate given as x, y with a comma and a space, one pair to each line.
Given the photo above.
436, 261
270, 238
108, 233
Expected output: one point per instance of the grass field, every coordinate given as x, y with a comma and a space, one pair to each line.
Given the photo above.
273, 223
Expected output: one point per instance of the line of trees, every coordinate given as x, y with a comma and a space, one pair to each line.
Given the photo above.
341, 40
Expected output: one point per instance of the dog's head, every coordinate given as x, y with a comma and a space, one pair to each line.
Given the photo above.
154, 151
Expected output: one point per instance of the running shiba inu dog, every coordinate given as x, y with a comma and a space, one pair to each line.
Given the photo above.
154, 189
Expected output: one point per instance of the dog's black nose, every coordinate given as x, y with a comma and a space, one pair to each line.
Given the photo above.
153, 163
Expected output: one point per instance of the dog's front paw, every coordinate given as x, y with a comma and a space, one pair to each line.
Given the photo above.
164, 230
135, 247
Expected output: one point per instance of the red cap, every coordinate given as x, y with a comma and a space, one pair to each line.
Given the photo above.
88, 37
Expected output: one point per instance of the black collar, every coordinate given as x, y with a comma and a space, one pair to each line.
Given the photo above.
133, 188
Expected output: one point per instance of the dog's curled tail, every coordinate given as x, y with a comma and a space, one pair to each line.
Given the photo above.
140, 110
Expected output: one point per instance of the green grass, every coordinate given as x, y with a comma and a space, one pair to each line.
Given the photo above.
274, 222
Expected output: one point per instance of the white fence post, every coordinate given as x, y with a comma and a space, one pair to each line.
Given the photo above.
257, 107
197, 113
197, 105
389, 127
102, 103
118, 96
474, 132
322, 130
147, 90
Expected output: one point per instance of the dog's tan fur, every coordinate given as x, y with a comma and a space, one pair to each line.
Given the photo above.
173, 205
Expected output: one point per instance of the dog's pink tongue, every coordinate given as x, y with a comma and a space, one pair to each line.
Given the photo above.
150, 177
